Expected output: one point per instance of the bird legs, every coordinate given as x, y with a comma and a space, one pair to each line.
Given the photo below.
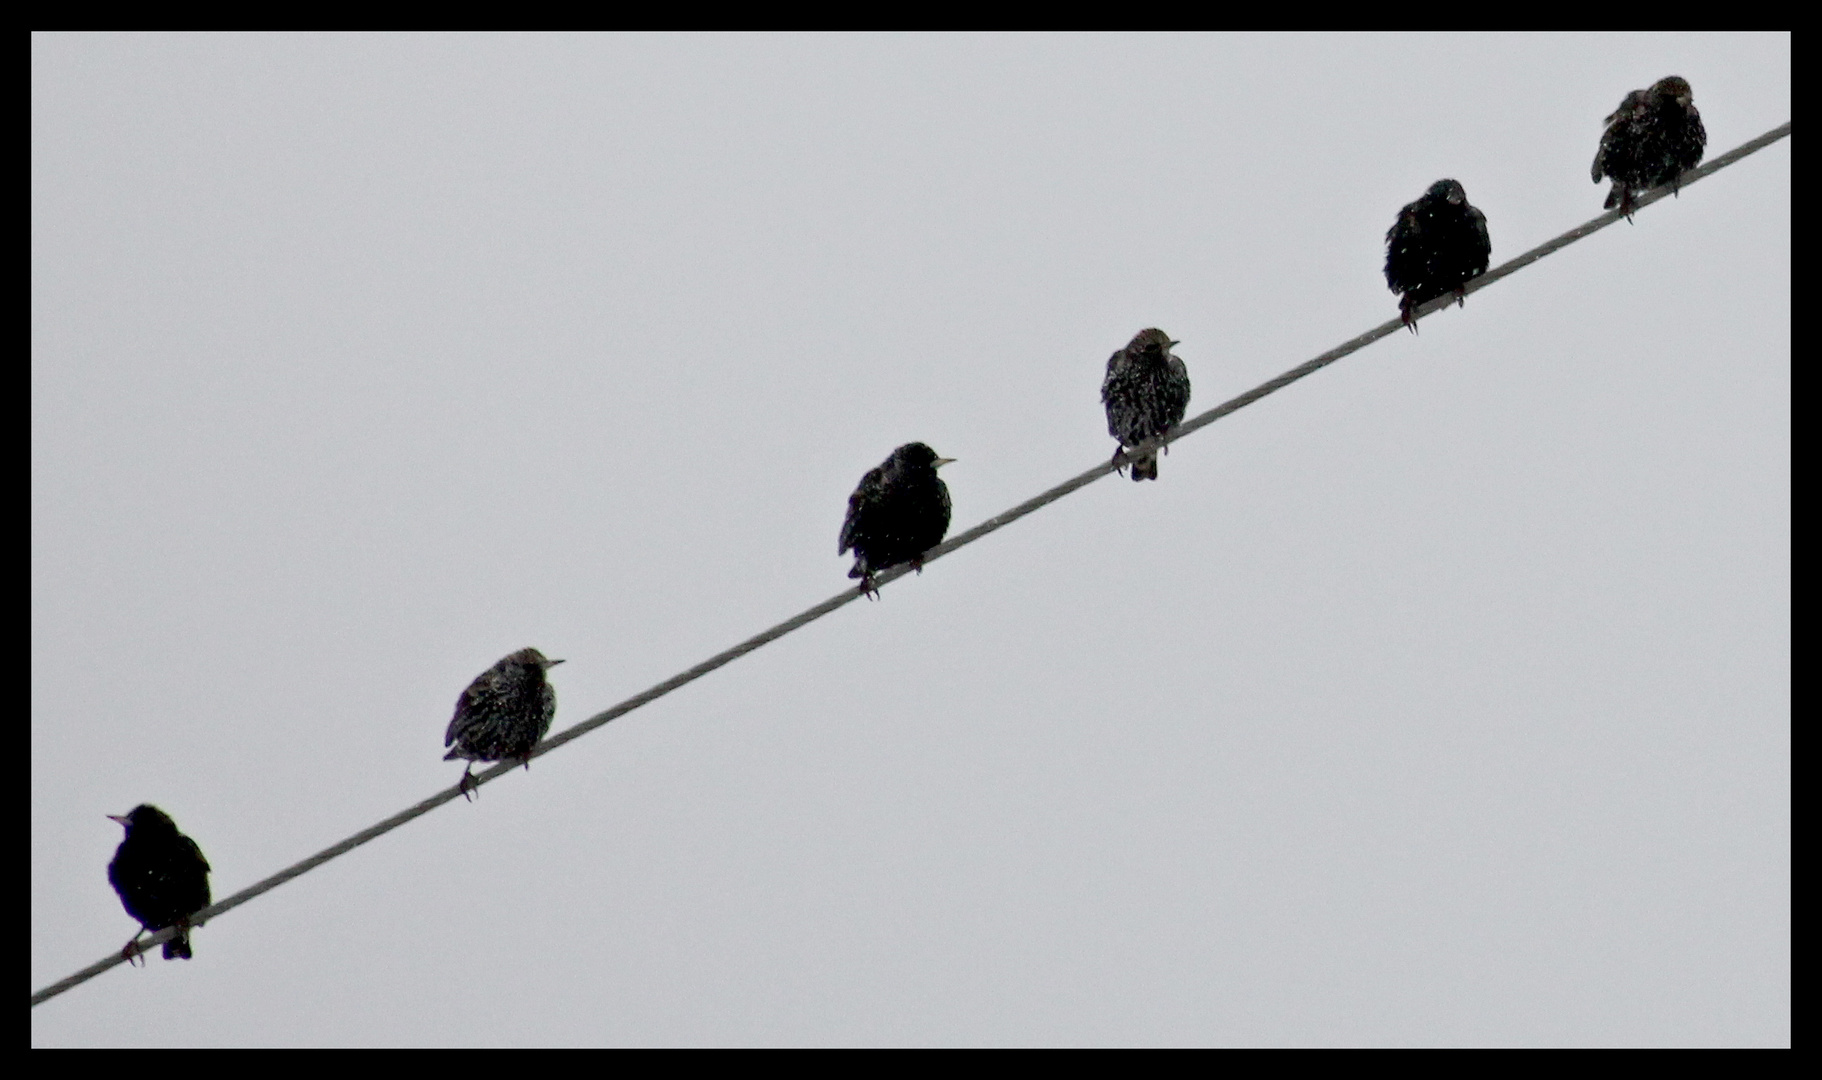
131, 952
466, 785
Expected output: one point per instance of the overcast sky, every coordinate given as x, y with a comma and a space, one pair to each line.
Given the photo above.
1442, 698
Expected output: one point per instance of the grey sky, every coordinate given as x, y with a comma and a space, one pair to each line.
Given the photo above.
1440, 699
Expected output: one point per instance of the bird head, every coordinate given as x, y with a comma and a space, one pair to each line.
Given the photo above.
1150, 342
1674, 87
533, 658
145, 816
1450, 191
915, 455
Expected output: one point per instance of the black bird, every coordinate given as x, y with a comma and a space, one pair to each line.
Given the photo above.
1437, 244
503, 713
161, 877
1651, 139
899, 511
1146, 393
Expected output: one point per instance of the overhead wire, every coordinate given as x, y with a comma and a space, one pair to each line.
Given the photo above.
954, 543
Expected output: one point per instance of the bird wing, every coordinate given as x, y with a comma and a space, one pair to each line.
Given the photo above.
460, 720
1113, 365
1405, 226
190, 845
1179, 374
872, 479
1486, 241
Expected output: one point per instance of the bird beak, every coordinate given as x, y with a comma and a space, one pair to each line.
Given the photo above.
122, 818
941, 461
552, 663
1173, 345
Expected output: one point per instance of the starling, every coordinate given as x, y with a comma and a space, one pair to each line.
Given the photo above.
502, 714
1146, 392
161, 877
1437, 244
899, 511
1650, 140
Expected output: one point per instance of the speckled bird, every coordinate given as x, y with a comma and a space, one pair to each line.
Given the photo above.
1436, 246
1651, 139
161, 877
502, 714
1146, 393
899, 511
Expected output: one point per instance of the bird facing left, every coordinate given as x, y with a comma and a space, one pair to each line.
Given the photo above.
161, 877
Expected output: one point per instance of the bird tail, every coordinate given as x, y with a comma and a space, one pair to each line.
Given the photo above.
1145, 468
178, 948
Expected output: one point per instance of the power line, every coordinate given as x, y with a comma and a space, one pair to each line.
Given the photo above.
992, 524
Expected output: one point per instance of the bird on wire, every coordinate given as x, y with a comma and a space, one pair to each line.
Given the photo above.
161, 877
1436, 246
1146, 393
502, 714
1651, 139
899, 511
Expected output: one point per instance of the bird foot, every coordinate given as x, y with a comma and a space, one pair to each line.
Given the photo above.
467, 786
1117, 467
917, 564
868, 588
1405, 308
1461, 298
132, 953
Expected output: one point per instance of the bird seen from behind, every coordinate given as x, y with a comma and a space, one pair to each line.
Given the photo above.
1146, 393
502, 714
899, 511
1436, 246
161, 877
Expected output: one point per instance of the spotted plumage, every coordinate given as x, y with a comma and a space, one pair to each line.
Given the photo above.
503, 713
161, 877
1436, 246
1146, 393
899, 511
1651, 139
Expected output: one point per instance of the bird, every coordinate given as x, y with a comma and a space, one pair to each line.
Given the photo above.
1436, 246
1146, 393
899, 511
161, 877
1651, 139
502, 714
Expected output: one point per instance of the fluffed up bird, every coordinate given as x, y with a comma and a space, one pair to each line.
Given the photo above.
899, 511
502, 714
1436, 246
1146, 393
1651, 139
161, 877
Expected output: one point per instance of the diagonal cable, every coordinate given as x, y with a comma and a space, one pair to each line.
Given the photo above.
992, 524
